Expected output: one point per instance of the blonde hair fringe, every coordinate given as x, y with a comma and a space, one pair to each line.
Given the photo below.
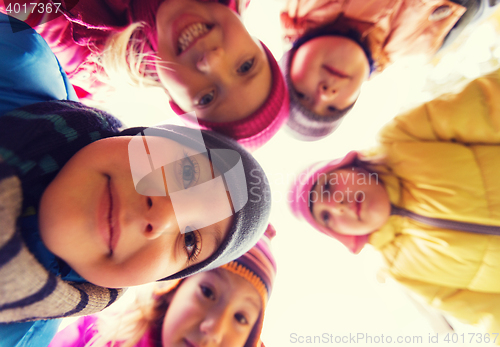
124, 59
127, 59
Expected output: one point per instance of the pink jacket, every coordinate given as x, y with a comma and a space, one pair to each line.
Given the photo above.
78, 34
81, 332
389, 28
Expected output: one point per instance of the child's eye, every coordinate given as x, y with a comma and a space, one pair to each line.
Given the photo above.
302, 96
241, 318
246, 66
192, 244
207, 292
206, 99
326, 186
188, 171
325, 217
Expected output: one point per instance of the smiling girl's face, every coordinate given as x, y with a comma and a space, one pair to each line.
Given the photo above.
92, 217
209, 62
214, 308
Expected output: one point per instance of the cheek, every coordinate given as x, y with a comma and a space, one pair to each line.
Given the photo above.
302, 75
237, 339
182, 85
182, 316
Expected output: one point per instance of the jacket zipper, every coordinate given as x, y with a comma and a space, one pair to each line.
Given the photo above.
446, 223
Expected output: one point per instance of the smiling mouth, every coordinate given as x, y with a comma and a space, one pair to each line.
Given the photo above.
113, 219
189, 344
190, 34
358, 207
335, 72
110, 220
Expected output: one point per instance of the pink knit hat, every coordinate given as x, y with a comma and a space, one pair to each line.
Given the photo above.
300, 201
258, 128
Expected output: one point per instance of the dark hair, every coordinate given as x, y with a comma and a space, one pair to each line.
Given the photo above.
339, 27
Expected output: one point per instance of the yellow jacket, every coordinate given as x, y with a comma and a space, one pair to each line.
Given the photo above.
442, 160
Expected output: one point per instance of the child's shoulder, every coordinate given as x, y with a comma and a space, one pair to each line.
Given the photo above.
26, 57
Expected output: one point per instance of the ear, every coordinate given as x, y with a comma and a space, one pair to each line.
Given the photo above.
176, 108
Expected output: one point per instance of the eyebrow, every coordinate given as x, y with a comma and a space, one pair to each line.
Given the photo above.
219, 273
216, 233
252, 301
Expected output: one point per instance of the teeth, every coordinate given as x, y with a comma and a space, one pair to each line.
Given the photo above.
190, 33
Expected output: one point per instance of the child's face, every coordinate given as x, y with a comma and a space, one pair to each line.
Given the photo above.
350, 201
327, 73
214, 308
92, 217
222, 74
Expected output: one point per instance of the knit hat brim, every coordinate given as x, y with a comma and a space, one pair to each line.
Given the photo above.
251, 217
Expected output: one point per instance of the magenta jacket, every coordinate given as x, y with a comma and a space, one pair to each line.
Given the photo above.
77, 34
81, 332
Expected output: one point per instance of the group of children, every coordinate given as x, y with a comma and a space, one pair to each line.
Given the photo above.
89, 208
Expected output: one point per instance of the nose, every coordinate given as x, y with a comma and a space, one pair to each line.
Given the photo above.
210, 59
159, 217
326, 91
337, 204
213, 327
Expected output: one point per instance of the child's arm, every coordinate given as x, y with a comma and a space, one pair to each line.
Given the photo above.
29, 71
469, 117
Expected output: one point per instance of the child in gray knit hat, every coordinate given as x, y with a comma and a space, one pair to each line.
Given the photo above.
85, 207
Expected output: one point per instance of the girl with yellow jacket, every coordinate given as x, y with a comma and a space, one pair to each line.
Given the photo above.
427, 198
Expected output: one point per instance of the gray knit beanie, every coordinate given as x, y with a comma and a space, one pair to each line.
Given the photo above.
244, 179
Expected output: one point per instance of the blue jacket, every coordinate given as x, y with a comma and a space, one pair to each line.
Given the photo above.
29, 73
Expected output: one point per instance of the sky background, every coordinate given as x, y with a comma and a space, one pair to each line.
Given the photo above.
321, 287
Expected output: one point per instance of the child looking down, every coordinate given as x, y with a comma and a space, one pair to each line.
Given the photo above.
419, 197
221, 307
199, 51
337, 45
80, 216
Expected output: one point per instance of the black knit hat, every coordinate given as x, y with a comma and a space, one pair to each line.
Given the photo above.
250, 196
